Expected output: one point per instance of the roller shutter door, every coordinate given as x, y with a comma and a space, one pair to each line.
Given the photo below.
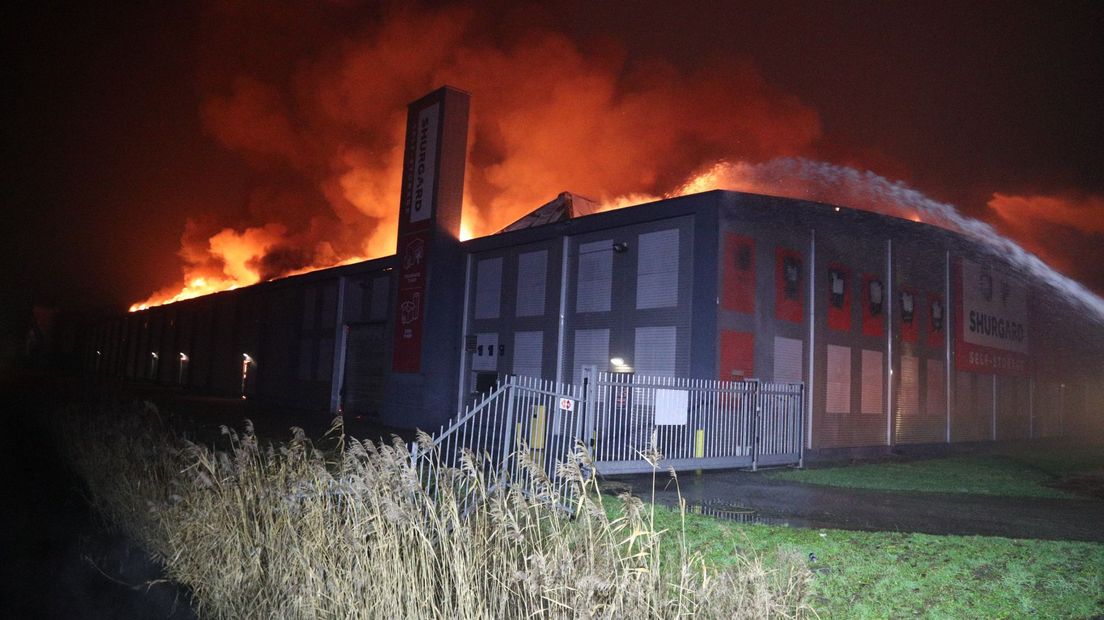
657, 267
364, 369
839, 380
531, 277
787, 360
591, 349
595, 277
528, 353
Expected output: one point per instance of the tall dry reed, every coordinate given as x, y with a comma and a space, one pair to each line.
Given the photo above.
291, 531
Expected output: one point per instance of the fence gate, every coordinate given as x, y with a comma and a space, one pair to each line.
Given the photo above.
543, 416
697, 423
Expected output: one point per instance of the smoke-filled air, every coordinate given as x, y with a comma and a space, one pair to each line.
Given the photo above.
322, 126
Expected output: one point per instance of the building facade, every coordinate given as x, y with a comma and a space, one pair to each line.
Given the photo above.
903, 333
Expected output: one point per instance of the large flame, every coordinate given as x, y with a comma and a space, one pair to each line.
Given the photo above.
321, 127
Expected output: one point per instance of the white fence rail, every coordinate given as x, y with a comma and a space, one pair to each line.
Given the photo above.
543, 418
697, 424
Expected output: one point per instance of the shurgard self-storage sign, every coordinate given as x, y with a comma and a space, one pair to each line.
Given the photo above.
991, 333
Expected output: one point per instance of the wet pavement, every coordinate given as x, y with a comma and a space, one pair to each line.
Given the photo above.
759, 498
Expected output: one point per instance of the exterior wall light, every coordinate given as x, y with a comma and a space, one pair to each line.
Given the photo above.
620, 247
906, 306
937, 314
875, 297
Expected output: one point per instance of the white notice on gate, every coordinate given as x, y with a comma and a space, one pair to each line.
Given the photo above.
567, 405
671, 406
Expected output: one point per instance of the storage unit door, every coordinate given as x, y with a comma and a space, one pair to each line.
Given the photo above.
364, 369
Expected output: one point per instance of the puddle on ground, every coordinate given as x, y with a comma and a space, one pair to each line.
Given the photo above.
743, 514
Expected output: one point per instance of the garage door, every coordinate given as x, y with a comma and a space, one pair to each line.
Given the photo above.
364, 369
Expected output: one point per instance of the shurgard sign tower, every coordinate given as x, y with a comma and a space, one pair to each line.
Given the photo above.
430, 278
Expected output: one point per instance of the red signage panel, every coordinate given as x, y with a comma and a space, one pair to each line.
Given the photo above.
789, 294
873, 305
737, 355
839, 297
911, 314
738, 285
937, 321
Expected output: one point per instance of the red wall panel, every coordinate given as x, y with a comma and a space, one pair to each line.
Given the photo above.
936, 324
789, 293
737, 355
839, 304
873, 310
910, 320
738, 285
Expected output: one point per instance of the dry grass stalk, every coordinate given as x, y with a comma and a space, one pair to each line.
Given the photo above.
291, 532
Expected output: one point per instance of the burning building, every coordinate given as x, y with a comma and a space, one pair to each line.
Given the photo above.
901, 332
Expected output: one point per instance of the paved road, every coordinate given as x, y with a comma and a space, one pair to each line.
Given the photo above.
932, 513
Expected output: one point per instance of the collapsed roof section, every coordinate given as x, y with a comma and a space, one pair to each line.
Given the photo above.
563, 207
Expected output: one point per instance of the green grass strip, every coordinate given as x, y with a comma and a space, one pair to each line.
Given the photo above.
980, 475
898, 575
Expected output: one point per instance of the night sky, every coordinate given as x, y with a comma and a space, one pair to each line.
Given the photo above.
156, 140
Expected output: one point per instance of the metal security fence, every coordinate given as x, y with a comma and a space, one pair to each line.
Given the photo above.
527, 426
522, 426
697, 423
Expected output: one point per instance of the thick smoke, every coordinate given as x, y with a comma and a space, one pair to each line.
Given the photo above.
1066, 230
313, 99
547, 116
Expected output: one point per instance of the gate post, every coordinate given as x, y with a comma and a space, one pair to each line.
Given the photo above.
589, 413
508, 429
757, 408
801, 428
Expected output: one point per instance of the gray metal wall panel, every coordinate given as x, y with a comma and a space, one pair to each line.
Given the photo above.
328, 305
529, 354
655, 351
913, 423
488, 288
324, 370
872, 400
936, 405
532, 277
838, 384
307, 354
591, 349
972, 417
788, 362
657, 269
365, 359
381, 302
594, 277
1012, 412
310, 307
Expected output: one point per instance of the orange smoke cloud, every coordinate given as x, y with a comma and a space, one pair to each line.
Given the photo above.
1057, 228
546, 117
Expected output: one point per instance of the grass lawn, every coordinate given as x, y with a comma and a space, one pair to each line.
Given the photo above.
897, 575
1023, 473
